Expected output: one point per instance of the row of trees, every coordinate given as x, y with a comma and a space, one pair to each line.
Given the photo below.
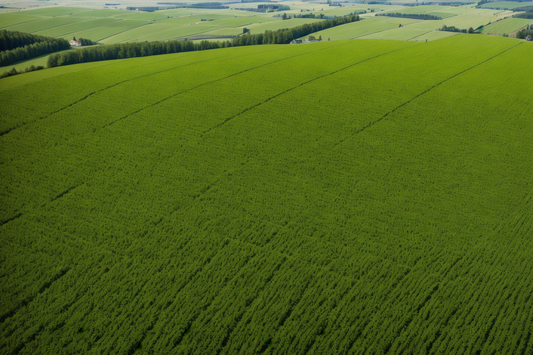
36, 49
525, 32
131, 50
414, 16
528, 15
455, 29
10, 40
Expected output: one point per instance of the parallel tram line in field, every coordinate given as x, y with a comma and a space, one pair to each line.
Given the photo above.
198, 86
422, 93
298, 86
109, 87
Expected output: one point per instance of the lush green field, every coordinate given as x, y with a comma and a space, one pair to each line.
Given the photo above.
331, 198
116, 26
422, 9
505, 5
433, 35
43, 24
10, 19
363, 28
109, 30
441, 14
399, 34
77, 26
507, 26
382, 27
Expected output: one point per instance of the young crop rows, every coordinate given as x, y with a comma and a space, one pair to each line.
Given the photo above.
334, 198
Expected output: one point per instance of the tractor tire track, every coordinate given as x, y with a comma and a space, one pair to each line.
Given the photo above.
296, 87
107, 88
422, 93
198, 86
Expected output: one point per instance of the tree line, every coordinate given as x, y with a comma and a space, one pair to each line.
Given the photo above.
525, 32
455, 29
142, 49
413, 16
14, 71
32, 50
10, 40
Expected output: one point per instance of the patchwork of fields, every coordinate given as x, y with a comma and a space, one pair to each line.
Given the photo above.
115, 26
389, 27
507, 26
340, 197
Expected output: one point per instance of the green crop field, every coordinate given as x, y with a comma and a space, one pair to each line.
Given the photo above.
507, 26
10, 19
347, 197
57, 11
156, 31
441, 14
363, 28
399, 34
505, 5
108, 30
61, 31
422, 9
43, 24
118, 25
433, 35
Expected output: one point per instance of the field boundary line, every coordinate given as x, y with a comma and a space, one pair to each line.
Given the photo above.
28, 300
89, 28
20, 23
89, 95
200, 85
116, 34
296, 87
48, 28
390, 29
422, 93
111, 86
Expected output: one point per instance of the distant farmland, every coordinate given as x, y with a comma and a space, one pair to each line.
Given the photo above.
331, 198
507, 26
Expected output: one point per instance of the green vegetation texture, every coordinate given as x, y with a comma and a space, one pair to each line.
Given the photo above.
504, 5
331, 198
507, 26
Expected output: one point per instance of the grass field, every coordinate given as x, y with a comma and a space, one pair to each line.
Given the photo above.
506, 26
331, 198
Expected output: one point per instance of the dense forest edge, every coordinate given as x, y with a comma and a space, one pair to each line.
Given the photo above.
19, 46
